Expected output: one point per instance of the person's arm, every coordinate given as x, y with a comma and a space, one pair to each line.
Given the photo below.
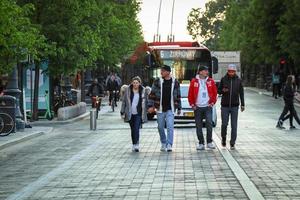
179, 98
242, 97
152, 96
191, 94
220, 89
215, 93
123, 104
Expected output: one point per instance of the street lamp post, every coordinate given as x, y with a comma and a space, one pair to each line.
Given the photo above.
12, 89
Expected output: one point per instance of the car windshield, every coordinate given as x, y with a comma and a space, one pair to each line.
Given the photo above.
184, 89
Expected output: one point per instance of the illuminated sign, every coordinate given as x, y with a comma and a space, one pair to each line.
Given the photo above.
178, 54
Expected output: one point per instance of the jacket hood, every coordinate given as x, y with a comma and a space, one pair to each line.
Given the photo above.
198, 77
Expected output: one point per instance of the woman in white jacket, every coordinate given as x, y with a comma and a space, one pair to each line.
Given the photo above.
134, 109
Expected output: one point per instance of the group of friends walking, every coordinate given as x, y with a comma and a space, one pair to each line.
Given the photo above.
165, 99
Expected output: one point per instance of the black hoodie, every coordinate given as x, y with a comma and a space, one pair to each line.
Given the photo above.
236, 91
288, 95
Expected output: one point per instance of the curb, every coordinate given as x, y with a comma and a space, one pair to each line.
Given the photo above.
47, 123
24, 138
263, 93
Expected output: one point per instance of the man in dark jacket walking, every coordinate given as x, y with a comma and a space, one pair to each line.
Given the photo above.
165, 98
232, 91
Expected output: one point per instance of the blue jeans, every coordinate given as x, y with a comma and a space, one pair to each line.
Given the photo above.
135, 124
233, 112
168, 119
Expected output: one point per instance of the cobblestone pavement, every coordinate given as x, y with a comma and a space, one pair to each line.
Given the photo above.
270, 157
75, 163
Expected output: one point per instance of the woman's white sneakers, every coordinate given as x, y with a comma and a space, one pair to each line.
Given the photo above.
135, 148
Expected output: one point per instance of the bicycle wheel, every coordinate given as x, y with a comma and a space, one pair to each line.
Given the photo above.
7, 124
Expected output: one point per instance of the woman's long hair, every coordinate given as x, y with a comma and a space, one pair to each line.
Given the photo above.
289, 80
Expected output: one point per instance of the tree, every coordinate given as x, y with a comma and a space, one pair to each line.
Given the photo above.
289, 28
206, 25
18, 36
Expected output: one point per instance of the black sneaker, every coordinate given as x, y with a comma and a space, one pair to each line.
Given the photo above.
279, 125
223, 143
232, 147
293, 128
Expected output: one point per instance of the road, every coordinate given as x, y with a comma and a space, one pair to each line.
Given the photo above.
73, 162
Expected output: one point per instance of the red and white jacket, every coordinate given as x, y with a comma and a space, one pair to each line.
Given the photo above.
194, 90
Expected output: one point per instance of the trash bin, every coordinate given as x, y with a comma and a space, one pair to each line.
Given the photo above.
7, 114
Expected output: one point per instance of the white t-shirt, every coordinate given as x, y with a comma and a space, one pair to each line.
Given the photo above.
134, 104
203, 98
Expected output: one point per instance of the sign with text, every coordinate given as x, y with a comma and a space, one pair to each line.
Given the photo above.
189, 54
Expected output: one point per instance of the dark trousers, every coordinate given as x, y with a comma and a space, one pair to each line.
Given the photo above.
293, 114
275, 90
135, 124
200, 114
233, 112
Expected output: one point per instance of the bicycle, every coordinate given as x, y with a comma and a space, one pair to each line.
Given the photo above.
114, 100
62, 101
7, 124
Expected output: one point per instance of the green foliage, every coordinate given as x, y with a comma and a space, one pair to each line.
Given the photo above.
206, 25
263, 30
289, 26
18, 36
72, 34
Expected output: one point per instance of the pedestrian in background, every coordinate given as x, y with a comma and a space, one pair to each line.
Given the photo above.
112, 88
202, 97
232, 91
288, 96
275, 84
134, 109
165, 99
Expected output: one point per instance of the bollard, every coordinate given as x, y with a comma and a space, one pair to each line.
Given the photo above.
93, 120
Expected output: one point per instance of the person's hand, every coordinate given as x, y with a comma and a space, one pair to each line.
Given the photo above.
242, 108
194, 107
151, 110
211, 105
178, 112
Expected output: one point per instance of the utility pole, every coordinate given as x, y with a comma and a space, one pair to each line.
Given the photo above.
171, 37
156, 37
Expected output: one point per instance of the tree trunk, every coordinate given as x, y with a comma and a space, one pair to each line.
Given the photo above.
82, 86
35, 116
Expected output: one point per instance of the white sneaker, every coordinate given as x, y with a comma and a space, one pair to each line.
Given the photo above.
163, 147
200, 147
133, 147
137, 148
169, 147
211, 145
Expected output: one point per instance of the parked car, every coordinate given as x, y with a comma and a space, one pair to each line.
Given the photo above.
187, 113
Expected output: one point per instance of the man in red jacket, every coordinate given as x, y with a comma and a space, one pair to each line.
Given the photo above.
202, 97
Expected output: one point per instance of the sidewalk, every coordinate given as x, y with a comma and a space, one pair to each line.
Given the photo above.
45, 122
27, 134
268, 93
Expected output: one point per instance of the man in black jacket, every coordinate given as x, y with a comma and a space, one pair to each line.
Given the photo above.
232, 91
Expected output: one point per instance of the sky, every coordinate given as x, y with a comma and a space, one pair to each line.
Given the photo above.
149, 14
